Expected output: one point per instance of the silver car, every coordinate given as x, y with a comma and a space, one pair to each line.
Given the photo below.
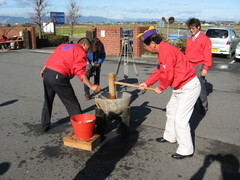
224, 40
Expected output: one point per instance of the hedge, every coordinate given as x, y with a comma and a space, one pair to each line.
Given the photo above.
51, 40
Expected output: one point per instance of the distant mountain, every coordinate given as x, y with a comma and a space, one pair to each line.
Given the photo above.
14, 20
82, 19
94, 19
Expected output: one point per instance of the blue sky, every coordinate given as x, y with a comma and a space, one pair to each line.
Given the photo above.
119, 9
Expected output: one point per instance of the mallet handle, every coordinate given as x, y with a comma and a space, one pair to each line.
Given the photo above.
112, 86
132, 85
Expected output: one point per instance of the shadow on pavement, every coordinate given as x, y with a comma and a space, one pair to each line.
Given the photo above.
56, 127
195, 120
197, 116
8, 102
229, 167
102, 163
4, 167
139, 114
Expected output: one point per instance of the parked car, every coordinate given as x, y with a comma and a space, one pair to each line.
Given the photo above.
224, 40
237, 52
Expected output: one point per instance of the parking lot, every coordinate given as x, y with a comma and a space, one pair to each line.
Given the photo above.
26, 153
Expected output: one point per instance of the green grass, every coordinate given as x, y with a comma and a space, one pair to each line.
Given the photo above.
80, 30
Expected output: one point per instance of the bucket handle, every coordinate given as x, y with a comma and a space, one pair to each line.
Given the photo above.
80, 122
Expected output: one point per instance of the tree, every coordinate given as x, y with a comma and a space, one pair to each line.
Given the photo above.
73, 14
38, 14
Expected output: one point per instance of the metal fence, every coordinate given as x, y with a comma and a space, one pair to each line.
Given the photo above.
186, 32
178, 31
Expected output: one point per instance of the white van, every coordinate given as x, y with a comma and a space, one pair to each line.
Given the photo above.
224, 40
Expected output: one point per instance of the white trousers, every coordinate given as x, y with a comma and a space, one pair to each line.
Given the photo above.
179, 111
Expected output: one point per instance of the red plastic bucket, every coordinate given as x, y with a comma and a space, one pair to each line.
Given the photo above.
83, 125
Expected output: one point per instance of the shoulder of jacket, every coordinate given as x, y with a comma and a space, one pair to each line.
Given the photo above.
203, 35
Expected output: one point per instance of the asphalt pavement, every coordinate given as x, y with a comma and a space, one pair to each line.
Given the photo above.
28, 154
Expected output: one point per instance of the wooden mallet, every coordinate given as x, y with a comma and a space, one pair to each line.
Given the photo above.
112, 85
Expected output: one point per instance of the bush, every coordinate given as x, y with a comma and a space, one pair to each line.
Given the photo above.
181, 45
57, 40
51, 40
42, 42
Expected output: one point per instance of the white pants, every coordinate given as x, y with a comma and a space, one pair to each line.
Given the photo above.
179, 111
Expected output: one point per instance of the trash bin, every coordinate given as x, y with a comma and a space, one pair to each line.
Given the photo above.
12, 45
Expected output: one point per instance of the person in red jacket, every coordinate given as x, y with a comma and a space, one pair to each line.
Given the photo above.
198, 53
175, 71
64, 63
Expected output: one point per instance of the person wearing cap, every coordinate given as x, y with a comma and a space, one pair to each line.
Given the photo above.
175, 71
64, 63
199, 54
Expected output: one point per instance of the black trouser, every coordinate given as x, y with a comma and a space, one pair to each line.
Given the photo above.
96, 80
56, 83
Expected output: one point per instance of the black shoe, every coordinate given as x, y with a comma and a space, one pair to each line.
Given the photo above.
179, 156
161, 140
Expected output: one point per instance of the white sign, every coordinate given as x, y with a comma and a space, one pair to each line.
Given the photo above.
48, 27
102, 33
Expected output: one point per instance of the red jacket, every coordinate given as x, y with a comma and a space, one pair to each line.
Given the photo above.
199, 51
69, 60
173, 69
3, 38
